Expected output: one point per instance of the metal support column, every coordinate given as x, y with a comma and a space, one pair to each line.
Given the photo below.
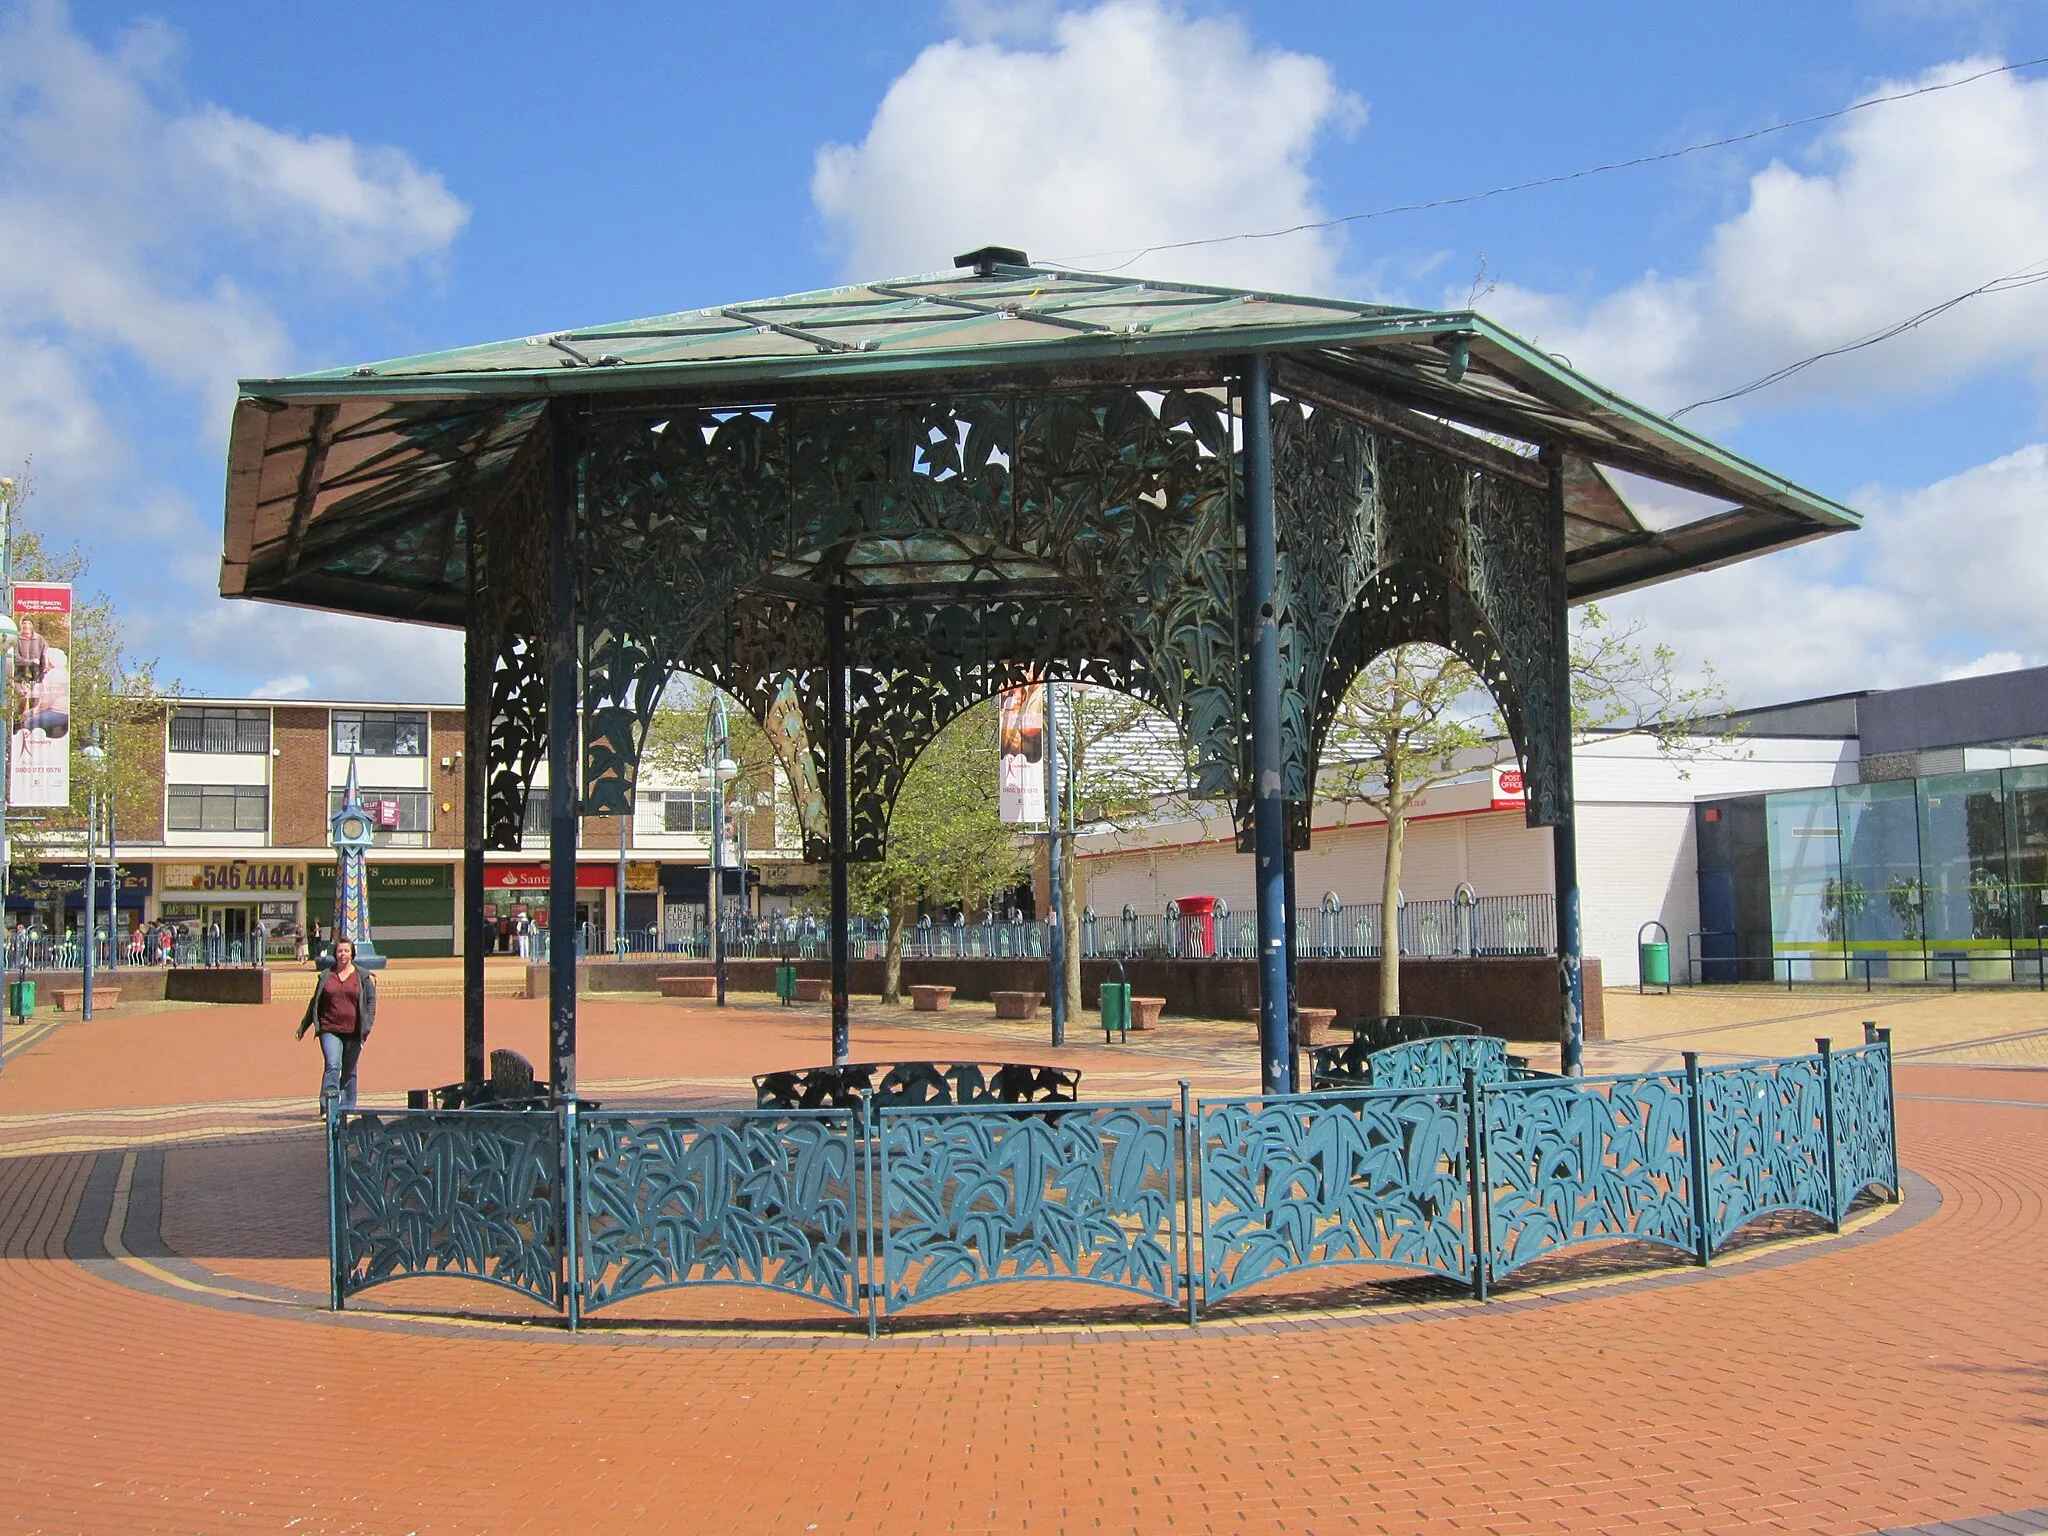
92, 816
1564, 837
836, 791
1056, 948
1269, 830
564, 771
1295, 1045
476, 778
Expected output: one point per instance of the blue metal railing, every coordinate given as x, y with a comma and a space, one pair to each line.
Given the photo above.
1185, 1203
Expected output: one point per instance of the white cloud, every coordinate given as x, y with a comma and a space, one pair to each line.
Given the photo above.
150, 249
1906, 205
319, 655
1987, 664
1135, 125
1943, 581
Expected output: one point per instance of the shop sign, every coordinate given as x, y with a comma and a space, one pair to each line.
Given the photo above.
278, 911
534, 877
179, 911
643, 876
235, 876
1507, 788
396, 877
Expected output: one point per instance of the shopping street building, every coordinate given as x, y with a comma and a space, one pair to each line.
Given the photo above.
1897, 835
238, 834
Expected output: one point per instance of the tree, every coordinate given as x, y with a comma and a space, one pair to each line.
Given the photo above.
1122, 762
948, 844
1417, 716
116, 698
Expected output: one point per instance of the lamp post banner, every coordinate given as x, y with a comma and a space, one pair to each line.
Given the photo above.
39, 743
1023, 754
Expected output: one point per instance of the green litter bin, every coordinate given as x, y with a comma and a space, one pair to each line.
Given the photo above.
1116, 1009
785, 984
1653, 957
21, 998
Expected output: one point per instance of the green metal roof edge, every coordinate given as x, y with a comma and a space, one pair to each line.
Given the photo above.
1648, 420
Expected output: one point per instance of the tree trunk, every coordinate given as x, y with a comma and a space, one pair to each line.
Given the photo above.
892, 956
1072, 893
1390, 911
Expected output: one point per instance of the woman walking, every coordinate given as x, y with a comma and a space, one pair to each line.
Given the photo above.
344, 1006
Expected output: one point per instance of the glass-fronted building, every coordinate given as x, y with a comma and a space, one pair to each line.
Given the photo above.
1927, 878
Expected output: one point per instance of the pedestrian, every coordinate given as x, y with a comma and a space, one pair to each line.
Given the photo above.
313, 937
344, 1007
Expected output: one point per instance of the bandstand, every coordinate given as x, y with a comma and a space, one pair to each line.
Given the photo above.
863, 509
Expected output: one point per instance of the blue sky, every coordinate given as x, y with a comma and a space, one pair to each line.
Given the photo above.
196, 192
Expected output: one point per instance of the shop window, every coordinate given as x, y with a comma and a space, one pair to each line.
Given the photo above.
217, 808
379, 733
219, 729
391, 810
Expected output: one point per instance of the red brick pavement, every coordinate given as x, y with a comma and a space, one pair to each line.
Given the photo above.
1887, 1382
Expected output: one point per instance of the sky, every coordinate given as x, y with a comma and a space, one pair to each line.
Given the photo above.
204, 192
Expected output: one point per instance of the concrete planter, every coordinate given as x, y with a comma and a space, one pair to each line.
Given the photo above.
931, 999
814, 989
71, 999
687, 986
1313, 1025
1145, 1012
1024, 1005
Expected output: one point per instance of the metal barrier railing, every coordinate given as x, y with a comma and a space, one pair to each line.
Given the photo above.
872, 1211
2020, 964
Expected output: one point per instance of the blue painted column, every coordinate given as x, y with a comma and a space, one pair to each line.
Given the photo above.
564, 771
1564, 836
1269, 829
837, 813
1056, 951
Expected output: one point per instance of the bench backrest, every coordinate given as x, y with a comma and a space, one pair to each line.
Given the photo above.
896, 1084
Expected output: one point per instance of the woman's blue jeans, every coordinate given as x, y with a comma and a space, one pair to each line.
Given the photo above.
341, 1052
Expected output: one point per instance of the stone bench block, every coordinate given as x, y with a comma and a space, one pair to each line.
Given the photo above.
1023, 1005
931, 999
1145, 1012
687, 986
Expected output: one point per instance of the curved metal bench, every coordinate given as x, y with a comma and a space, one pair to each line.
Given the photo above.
1428, 1058
895, 1084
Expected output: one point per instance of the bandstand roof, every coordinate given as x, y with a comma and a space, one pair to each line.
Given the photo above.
348, 488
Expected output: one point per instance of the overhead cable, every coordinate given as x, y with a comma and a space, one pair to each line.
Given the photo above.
1561, 177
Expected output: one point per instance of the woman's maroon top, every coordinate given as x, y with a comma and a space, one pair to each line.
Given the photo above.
341, 1003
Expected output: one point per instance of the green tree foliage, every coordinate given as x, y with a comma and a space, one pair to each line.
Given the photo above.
947, 842
1417, 717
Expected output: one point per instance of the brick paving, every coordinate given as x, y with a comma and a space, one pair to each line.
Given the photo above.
161, 1236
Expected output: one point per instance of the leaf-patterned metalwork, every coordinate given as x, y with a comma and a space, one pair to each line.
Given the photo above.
510, 611
1440, 1062
474, 1193
1865, 1156
1587, 1160
1301, 1182
1766, 1142
742, 1198
985, 1195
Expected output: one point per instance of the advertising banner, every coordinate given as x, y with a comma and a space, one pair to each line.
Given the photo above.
39, 719
1023, 754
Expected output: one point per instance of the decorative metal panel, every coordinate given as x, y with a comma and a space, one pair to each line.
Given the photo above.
899, 1084
988, 1194
475, 1193
510, 613
1296, 1183
1588, 1160
1864, 1153
1766, 1141
717, 1199
1440, 1062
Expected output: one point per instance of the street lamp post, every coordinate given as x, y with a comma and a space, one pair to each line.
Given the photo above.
719, 769
94, 754
9, 633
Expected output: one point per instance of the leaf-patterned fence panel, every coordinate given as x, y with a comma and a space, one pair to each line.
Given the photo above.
1439, 1062
986, 1194
475, 1193
741, 1198
1587, 1160
1369, 1178
1864, 1153
1766, 1141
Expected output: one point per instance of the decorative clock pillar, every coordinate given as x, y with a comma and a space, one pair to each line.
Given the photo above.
352, 835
